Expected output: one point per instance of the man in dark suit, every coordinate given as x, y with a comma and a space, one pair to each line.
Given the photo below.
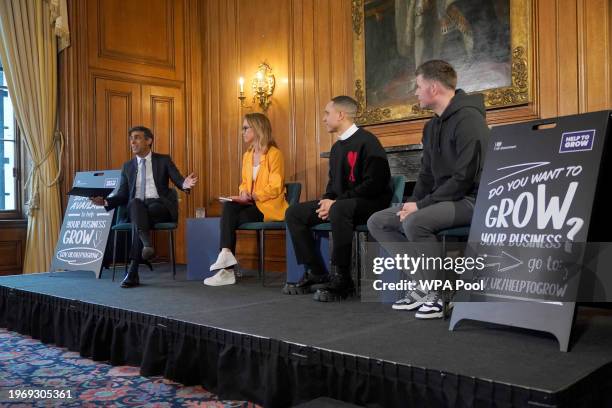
144, 188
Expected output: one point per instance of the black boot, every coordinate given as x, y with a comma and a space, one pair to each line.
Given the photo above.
309, 283
340, 287
131, 279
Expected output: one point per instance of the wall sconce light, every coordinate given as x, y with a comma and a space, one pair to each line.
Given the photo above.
241, 95
263, 86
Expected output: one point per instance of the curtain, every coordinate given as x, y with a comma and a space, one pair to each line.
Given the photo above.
28, 51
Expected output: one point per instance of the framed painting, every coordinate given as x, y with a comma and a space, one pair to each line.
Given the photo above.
486, 41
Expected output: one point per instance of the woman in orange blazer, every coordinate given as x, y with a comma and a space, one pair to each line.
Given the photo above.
262, 193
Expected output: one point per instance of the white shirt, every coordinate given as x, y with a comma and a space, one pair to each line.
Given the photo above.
255, 171
348, 132
150, 190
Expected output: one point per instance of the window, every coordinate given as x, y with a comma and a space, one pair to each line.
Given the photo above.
9, 155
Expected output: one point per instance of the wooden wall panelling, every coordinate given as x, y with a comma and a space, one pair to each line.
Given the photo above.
269, 42
194, 108
10, 259
329, 56
566, 61
163, 112
222, 124
74, 98
130, 53
307, 127
594, 51
310, 51
333, 56
117, 108
301, 84
143, 36
235, 20
248, 255
12, 247
341, 46
229, 125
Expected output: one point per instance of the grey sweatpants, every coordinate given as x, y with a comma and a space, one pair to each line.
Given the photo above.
419, 227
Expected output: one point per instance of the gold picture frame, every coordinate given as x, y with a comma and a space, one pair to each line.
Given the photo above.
516, 65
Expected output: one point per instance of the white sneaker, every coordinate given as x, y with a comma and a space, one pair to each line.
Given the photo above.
223, 277
224, 260
411, 301
431, 310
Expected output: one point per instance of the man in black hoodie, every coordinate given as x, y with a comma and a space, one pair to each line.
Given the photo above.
454, 143
358, 186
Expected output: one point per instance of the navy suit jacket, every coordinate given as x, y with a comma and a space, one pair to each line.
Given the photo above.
164, 170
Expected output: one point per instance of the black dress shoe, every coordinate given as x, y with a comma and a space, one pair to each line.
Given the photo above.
131, 279
340, 287
309, 283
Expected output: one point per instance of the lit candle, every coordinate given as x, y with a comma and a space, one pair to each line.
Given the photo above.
241, 82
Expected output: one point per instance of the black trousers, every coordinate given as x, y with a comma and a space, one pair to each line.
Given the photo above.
343, 216
143, 215
232, 215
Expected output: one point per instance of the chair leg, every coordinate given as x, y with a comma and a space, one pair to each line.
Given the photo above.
172, 254
360, 258
357, 260
262, 256
445, 301
125, 247
114, 253
330, 238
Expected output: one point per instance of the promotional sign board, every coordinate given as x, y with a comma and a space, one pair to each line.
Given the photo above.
532, 219
86, 226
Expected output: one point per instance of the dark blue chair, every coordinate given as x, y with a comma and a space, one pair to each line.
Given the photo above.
458, 233
123, 226
293, 197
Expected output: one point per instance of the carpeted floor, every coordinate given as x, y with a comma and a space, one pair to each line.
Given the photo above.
27, 364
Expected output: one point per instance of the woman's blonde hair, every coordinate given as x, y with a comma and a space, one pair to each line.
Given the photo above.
263, 130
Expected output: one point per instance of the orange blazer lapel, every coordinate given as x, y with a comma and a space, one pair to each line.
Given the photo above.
247, 171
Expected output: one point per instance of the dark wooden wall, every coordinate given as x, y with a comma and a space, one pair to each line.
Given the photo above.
12, 246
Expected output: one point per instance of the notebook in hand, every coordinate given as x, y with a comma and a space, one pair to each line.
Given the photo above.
236, 199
